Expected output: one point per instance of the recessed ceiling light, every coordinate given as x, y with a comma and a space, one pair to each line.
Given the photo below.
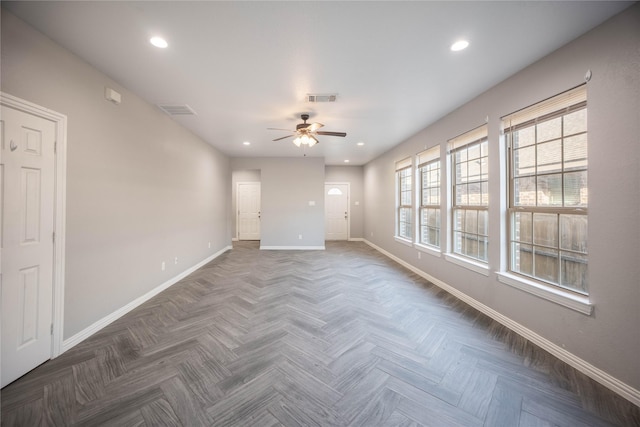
459, 45
246, 143
346, 161
158, 42
360, 143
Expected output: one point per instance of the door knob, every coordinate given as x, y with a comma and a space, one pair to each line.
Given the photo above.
13, 145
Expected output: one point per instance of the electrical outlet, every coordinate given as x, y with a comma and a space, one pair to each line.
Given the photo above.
175, 260
372, 234
419, 255
299, 236
162, 266
209, 245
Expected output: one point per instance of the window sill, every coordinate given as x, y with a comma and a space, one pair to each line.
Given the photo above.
428, 249
468, 264
403, 241
567, 299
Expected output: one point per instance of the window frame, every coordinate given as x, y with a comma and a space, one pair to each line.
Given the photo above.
404, 166
429, 160
513, 208
475, 137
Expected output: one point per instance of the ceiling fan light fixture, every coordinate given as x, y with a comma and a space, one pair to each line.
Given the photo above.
305, 139
305, 133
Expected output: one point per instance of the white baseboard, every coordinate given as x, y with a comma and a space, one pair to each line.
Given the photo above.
356, 239
612, 383
292, 248
96, 326
234, 239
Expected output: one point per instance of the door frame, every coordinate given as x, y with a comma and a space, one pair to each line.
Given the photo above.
59, 209
237, 212
348, 184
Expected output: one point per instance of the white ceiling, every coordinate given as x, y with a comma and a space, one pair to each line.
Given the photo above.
247, 66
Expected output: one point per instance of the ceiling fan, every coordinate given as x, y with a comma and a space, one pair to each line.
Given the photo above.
305, 133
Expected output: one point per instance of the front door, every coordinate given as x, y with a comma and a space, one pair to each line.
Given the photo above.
336, 216
27, 175
249, 211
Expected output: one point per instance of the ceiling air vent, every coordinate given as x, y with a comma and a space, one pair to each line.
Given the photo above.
177, 110
326, 97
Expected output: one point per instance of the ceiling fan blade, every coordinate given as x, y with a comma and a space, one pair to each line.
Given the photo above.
284, 137
314, 127
288, 130
331, 133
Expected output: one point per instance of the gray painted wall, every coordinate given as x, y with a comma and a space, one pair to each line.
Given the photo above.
140, 188
351, 174
287, 187
608, 339
354, 175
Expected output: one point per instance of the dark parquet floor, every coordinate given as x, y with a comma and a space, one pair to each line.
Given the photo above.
342, 337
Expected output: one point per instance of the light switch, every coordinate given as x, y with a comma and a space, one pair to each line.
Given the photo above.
357, 203
312, 203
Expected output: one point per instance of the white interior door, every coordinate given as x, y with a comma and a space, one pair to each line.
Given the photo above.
249, 211
336, 216
27, 174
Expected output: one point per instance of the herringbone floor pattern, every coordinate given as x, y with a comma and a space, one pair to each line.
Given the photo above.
342, 337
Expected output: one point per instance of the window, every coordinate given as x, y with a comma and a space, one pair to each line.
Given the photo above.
547, 145
429, 198
404, 191
470, 194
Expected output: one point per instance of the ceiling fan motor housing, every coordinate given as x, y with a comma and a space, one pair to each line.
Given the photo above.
304, 125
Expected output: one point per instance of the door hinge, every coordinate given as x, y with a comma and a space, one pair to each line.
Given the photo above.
55, 147
53, 237
52, 329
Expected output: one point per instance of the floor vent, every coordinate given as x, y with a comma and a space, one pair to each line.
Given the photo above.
177, 110
327, 97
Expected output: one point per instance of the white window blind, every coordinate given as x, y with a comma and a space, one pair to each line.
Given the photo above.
403, 164
559, 104
428, 155
466, 138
